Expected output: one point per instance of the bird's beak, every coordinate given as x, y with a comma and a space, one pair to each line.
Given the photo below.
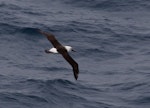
73, 50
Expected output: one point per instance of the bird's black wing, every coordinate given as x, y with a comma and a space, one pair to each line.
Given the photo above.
51, 38
72, 63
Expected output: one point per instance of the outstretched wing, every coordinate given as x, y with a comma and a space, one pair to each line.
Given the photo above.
51, 38
62, 51
72, 63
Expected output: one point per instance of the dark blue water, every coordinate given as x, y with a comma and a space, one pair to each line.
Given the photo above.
112, 40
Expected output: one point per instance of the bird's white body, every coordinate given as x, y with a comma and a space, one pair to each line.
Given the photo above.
54, 50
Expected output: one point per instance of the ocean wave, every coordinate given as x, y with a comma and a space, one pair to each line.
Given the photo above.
10, 28
28, 30
129, 86
43, 68
36, 92
7, 28
111, 5
9, 6
54, 92
142, 100
102, 54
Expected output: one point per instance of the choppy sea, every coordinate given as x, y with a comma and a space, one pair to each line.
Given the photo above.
112, 43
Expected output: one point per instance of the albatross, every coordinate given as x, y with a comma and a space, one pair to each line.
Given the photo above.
63, 50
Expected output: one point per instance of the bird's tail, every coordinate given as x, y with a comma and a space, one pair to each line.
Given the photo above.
47, 51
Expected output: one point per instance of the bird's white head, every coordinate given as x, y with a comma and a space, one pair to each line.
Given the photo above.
69, 48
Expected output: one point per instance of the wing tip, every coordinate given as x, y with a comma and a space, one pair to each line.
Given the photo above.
40, 31
76, 76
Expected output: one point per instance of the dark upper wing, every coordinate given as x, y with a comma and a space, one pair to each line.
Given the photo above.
51, 38
72, 63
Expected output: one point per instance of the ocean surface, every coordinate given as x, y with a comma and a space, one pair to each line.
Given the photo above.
112, 43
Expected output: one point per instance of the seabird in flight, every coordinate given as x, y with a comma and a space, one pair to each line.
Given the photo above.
63, 50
